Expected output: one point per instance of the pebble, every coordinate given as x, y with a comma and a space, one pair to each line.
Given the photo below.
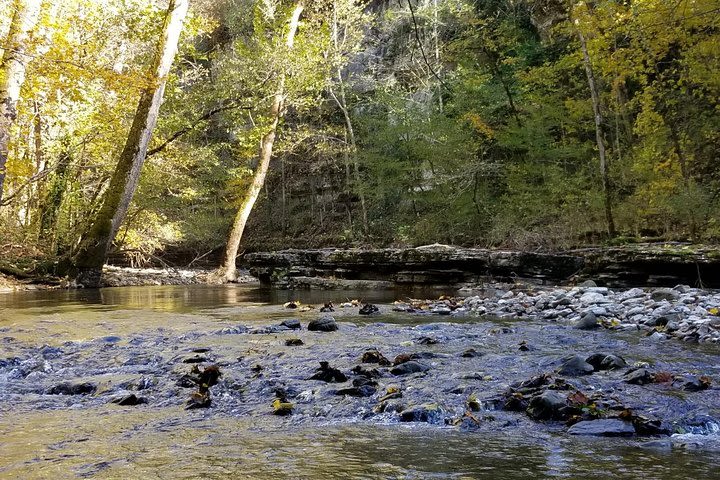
682, 312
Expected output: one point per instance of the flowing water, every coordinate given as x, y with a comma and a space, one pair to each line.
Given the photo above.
113, 337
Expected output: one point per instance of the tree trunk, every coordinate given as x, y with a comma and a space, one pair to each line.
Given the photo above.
599, 136
12, 72
228, 270
92, 253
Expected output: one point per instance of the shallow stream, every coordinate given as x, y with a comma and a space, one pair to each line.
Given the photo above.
136, 339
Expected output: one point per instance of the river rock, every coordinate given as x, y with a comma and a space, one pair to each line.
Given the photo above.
593, 298
374, 356
587, 322
471, 353
368, 309
603, 361
293, 342
328, 374
326, 323
409, 367
575, 366
423, 413
607, 428
547, 406
85, 388
612, 362
695, 384
666, 319
664, 294
639, 376
292, 324
128, 400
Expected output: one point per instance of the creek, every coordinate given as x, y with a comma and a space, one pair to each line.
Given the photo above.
142, 340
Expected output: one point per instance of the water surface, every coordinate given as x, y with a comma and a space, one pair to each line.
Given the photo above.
111, 331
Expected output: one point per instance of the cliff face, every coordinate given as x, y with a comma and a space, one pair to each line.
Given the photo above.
620, 267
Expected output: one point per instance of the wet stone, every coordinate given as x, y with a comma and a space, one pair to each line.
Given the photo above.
293, 342
292, 324
402, 358
374, 356
430, 413
587, 322
664, 294
575, 366
409, 367
368, 309
85, 388
605, 427
128, 400
328, 374
695, 384
602, 361
323, 324
547, 406
639, 376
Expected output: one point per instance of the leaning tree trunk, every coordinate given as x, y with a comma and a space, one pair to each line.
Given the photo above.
228, 270
92, 253
599, 136
12, 72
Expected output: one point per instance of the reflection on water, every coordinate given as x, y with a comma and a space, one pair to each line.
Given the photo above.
187, 298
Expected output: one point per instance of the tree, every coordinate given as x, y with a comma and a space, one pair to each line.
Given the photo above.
17, 54
599, 134
228, 270
88, 260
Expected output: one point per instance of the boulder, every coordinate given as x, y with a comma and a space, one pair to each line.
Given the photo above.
326, 323
575, 366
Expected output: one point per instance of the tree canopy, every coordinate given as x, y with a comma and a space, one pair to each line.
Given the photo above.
457, 121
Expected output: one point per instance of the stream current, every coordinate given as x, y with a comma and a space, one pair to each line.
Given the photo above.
137, 339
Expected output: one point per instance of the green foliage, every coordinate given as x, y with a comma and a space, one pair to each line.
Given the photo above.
500, 151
